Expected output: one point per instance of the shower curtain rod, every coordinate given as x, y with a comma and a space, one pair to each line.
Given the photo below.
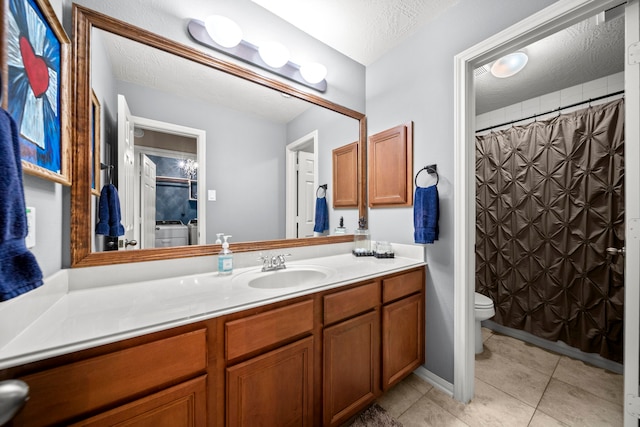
620, 92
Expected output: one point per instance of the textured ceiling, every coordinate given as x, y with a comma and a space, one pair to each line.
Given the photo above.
361, 29
581, 53
365, 30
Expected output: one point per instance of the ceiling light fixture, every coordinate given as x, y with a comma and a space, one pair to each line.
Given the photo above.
509, 65
269, 56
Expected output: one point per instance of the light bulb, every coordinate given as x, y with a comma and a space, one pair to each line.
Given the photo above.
274, 54
509, 65
223, 30
313, 72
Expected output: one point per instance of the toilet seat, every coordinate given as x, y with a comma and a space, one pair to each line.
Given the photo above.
483, 301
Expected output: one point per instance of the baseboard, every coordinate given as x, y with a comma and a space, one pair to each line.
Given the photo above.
442, 385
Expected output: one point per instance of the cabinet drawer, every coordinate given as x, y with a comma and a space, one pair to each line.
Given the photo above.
402, 285
178, 406
81, 387
253, 333
353, 301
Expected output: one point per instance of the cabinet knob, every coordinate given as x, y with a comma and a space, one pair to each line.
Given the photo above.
13, 395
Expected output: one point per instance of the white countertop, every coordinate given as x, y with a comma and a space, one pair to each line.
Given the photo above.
82, 318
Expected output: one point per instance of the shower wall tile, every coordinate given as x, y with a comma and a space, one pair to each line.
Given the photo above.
594, 88
615, 82
531, 107
513, 112
550, 101
553, 100
571, 95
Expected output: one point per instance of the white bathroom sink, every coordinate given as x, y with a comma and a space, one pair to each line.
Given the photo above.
292, 276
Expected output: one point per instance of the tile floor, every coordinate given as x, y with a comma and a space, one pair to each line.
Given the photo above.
517, 384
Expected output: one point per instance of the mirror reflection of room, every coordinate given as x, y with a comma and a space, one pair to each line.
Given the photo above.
242, 185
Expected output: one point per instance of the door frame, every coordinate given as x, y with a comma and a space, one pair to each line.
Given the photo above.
537, 26
201, 141
291, 181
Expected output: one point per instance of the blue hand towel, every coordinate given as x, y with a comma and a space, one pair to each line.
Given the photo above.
109, 215
19, 270
426, 211
322, 215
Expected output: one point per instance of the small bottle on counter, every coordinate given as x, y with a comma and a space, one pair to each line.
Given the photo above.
225, 258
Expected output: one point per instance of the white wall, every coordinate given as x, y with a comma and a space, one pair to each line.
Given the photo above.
345, 82
415, 82
334, 130
245, 161
49, 198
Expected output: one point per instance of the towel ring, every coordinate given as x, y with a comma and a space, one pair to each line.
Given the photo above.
323, 187
109, 168
431, 169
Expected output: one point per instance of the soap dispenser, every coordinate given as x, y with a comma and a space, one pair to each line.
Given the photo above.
219, 238
362, 239
225, 258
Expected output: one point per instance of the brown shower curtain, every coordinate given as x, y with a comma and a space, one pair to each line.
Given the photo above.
550, 200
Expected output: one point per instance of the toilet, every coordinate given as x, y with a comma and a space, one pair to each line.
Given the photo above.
483, 310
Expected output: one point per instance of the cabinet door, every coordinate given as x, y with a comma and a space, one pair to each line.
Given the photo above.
351, 366
275, 389
184, 405
402, 339
390, 167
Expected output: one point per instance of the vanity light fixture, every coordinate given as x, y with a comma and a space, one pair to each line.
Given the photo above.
313, 72
509, 65
223, 30
270, 56
274, 54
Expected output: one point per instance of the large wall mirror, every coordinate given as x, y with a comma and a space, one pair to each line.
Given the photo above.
217, 157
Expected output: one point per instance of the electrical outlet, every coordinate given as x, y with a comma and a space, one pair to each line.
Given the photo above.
30, 240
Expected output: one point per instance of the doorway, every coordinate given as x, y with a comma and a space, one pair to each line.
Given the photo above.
168, 145
549, 179
550, 20
301, 184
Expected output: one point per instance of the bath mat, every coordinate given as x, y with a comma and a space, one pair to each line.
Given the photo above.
375, 416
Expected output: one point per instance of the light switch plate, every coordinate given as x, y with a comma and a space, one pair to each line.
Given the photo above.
30, 240
211, 196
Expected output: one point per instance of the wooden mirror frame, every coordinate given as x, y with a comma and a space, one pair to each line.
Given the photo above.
84, 20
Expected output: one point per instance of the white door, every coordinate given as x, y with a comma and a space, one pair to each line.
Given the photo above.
126, 171
306, 194
632, 217
147, 202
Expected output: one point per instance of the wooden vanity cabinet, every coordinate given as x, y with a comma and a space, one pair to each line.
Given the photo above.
274, 386
160, 381
402, 326
351, 351
313, 360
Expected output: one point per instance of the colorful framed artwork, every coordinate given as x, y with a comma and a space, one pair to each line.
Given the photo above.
95, 144
35, 71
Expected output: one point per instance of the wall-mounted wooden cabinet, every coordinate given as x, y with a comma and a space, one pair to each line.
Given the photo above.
390, 167
345, 176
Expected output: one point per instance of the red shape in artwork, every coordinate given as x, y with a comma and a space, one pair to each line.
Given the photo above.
36, 68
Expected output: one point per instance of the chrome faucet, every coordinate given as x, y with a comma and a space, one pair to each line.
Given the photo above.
272, 263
